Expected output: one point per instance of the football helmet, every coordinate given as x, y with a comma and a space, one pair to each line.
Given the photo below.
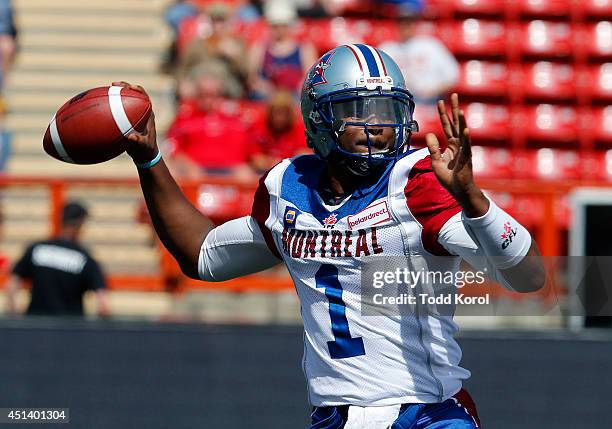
356, 85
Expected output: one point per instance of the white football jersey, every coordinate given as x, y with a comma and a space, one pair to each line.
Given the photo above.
350, 358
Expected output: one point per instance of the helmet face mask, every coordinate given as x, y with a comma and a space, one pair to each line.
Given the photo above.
338, 93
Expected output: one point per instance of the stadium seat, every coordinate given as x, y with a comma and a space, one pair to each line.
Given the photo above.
494, 163
548, 124
326, 34
258, 31
597, 165
595, 8
598, 125
546, 81
489, 123
548, 164
383, 30
476, 38
596, 40
435, 9
429, 122
596, 82
223, 202
479, 7
541, 8
545, 39
353, 7
483, 79
191, 28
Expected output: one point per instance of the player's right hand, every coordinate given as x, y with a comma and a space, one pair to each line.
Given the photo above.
143, 147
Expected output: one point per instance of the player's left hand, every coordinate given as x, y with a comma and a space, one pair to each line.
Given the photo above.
453, 167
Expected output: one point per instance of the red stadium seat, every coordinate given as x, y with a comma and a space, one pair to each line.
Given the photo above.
548, 124
483, 79
596, 82
545, 39
383, 30
548, 81
489, 123
429, 122
437, 9
495, 163
596, 40
548, 164
326, 34
597, 165
479, 7
257, 31
598, 124
596, 8
476, 38
191, 28
541, 8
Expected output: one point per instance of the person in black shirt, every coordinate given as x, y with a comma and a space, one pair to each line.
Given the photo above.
60, 271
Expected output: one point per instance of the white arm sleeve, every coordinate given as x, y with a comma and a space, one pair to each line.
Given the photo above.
234, 249
454, 237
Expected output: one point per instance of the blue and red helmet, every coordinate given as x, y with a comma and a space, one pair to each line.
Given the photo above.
356, 85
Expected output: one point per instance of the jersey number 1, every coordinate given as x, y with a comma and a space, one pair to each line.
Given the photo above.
343, 345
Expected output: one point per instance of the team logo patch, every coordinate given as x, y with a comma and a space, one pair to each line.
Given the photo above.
290, 218
317, 76
370, 216
330, 221
508, 235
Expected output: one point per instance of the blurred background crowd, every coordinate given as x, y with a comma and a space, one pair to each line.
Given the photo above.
239, 66
535, 79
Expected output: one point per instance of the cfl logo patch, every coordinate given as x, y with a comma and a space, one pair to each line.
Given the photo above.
290, 218
508, 235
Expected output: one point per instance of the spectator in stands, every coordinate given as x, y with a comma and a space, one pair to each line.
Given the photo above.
60, 271
317, 8
175, 14
208, 135
249, 10
429, 68
218, 45
8, 37
278, 135
281, 62
4, 260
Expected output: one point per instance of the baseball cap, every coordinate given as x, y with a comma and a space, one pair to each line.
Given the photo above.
72, 211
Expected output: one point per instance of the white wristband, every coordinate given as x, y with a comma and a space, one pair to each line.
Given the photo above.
503, 240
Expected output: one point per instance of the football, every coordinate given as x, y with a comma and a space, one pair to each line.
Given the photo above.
92, 126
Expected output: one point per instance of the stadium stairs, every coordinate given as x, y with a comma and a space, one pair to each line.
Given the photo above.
65, 47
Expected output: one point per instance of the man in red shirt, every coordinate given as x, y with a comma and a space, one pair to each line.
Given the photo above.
199, 142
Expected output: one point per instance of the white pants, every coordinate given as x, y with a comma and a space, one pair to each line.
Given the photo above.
371, 417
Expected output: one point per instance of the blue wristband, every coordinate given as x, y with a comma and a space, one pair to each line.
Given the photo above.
151, 163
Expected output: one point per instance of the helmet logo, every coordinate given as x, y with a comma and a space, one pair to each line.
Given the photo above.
317, 76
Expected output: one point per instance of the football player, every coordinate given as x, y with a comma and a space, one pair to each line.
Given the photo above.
364, 193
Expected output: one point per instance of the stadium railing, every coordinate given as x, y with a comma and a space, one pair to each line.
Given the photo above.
546, 226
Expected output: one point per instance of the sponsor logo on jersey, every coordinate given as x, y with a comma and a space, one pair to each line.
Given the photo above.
291, 215
508, 235
370, 216
330, 221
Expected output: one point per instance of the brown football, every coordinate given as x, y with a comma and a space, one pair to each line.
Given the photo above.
92, 127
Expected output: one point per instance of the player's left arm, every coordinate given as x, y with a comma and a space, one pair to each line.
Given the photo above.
517, 259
